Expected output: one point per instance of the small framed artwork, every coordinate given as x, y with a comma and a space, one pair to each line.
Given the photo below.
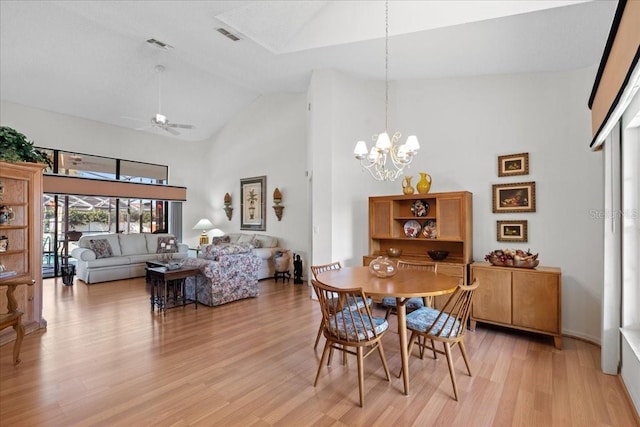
253, 209
512, 231
518, 197
513, 164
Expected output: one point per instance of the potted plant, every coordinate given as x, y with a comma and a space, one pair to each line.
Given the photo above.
15, 147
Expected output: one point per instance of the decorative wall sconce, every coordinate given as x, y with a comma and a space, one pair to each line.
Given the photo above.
277, 199
227, 206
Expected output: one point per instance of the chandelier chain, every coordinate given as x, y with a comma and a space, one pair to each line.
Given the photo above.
386, 66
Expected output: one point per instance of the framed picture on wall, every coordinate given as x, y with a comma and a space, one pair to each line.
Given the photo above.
252, 206
513, 164
518, 197
512, 231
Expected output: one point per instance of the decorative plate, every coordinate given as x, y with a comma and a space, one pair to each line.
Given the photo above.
420, 208
412, 228
429, 229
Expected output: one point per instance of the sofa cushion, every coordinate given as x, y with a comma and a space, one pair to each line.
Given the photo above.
133, 244
245, 238
233, 237
101, 248
166, 244
109, 262
220, 239
265, 241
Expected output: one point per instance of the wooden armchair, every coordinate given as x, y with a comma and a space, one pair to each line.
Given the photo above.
355, 332
448, 326
13, 318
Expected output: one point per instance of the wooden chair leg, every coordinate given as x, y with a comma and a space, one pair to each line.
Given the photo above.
447, 351
386, 315
361, 375
384, 361
19, 328
318, 336
463, 350
324, 355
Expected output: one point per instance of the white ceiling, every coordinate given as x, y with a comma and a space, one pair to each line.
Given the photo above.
90, 59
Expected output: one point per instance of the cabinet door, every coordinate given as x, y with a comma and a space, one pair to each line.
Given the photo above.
380, 222
492, 299
535, 301
449, 218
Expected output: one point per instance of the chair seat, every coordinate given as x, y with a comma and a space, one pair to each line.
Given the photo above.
412, 304
424, 317
352, 327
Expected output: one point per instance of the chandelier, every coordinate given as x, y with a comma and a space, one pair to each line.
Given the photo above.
386, 148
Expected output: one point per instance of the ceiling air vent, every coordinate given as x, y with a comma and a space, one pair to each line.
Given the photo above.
227, 34
158, 43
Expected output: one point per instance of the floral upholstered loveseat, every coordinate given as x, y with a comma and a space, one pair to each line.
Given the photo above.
228, 272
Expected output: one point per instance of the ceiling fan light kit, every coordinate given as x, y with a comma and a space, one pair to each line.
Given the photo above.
159, 120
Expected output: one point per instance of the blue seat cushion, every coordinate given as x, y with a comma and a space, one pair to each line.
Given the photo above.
359, 305
423, 318
412, 304
349, 327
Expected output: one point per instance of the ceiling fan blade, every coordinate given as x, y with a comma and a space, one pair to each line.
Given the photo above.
181, 126
171, 131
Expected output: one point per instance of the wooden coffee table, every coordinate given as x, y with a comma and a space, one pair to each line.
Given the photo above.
159, 279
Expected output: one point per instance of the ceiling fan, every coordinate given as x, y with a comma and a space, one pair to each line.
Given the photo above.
159, 120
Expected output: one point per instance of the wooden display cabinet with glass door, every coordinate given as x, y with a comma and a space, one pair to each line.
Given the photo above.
21, 194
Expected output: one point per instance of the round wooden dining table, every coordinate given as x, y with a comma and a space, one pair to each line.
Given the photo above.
405, 284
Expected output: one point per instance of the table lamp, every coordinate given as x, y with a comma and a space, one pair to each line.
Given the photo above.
204, 225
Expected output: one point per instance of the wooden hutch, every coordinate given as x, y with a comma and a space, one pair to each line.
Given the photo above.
450, 214
21, 194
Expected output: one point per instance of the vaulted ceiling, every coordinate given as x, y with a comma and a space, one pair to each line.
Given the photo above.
91, 59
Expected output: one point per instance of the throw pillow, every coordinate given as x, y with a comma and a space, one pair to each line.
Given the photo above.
256, 243
220, 240
167, 245
101, 247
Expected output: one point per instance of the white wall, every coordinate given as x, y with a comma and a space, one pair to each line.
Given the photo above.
463, 124
266, 138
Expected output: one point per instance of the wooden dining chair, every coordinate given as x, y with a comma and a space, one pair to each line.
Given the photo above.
355, 332
414, 303
447, 326
315, 270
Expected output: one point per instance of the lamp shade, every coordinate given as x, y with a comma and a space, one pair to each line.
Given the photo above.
203, 224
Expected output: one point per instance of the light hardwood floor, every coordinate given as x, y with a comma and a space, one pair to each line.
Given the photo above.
106, 360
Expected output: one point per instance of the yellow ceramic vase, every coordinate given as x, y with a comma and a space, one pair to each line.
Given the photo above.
424, 185
406, 185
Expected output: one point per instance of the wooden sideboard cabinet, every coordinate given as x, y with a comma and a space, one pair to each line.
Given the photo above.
21, 194
519, 298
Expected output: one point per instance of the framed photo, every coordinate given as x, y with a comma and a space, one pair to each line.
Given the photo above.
513, 164
252, 206
519, 197
512, 231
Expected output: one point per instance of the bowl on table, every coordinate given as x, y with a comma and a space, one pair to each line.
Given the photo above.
438, 255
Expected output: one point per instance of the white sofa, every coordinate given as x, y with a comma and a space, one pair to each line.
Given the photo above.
264, 247
124, 258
